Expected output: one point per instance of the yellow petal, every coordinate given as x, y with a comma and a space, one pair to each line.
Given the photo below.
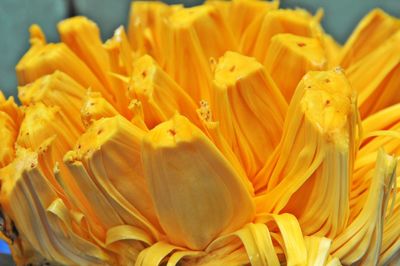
216, 200
317, 250
249, 108
360, 242
382, 120
41, 123
25, 195
119, 52
298, 22
155, 254
159, 94
293, 54
136, 108
376, 77
391, 232
111, 152
94, 108
10, 119
36, 35
258, 244
145, 27
121, 59
371, 32
332, 49
310, 172
42, 60
56, 89
213, 130
192, 36
44, 130
82, 36
243, 12
291, 238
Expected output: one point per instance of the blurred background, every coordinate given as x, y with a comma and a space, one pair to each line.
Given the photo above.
16, 16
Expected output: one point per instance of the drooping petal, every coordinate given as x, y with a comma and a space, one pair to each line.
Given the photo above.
382, 120
197, 194
256, 239
317, 250
361, 241
390, 249
286, 232
155, 254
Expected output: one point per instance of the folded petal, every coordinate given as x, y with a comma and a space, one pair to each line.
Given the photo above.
197, 194
256, 42
371, 32
249, 108
10, 119
192, 36
310, 172
107, 159
95, 107
296, 55
160, 96
56, 89
376, 77
26, 195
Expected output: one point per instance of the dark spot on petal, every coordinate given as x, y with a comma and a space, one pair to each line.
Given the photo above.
172, 132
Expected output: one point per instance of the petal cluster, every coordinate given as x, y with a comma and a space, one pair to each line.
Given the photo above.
231, 133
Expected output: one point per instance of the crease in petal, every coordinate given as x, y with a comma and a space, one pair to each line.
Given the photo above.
375, 73
257, 39
375, 28
248, 106
56, 89
117, 177
361, 241
161, 97
192, 36
296, 55
310, 172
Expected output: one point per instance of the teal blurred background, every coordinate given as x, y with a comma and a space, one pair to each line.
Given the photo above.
16, 15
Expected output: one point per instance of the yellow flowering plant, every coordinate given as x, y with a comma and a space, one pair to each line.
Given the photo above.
231, 133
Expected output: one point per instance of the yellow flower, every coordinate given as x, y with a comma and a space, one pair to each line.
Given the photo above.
232, 133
